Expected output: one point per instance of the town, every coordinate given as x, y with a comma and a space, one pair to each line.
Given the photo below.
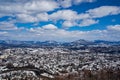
60, 63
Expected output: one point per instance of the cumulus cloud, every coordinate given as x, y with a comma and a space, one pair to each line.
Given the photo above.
72, 18
81, 1
3, 35
67, 24
112, 33
69, 3
114, 27
84, 16
104, 11
65, 3
40, 33
64, 15
7, 26
84, 19
88, 22
42, 17
28, 11
36, 11
26, 18
9, 7
41, 5
25, 6
49, 26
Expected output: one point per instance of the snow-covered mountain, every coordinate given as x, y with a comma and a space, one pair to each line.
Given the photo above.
55, 43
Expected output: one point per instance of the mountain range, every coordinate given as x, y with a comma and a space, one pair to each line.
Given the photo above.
81, 42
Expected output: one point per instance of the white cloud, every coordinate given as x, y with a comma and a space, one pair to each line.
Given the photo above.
9, 7
67, 24
109, 34
72, 18
27, 10
87, 22
65, 3
32, 18
64, 15
69, 3
81, 1
113, 32
7, 26
3, 35
36, 11
41, 5
42, 17
49, 27
114, 27
40, 33
25, 6
26, 18
84, 16
104, 11
64, 35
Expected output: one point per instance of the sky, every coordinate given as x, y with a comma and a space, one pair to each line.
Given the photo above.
60, 20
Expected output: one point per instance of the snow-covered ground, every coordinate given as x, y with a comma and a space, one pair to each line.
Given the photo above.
57, 60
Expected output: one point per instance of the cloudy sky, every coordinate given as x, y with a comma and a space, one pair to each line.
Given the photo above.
60, 20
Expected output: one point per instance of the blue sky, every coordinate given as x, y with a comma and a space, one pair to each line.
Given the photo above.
60, 20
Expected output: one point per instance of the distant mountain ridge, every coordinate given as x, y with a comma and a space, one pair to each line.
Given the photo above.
82, 42
16, 43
